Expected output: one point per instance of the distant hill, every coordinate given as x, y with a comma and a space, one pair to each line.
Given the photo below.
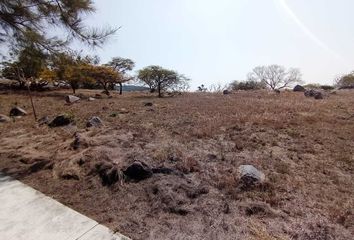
133, 88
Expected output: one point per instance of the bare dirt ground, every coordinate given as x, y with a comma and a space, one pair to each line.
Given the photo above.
304, 146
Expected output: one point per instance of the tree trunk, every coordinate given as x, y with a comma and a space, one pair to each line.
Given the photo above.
159, 90
120, 88
106, 89
74, 90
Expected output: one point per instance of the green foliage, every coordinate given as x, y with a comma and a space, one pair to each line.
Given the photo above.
29, 64
31, 20
122, 66
346, 81
247, 85
160, 79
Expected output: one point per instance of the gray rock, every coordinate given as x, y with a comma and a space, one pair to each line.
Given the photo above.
4, 118
314, 93
91, 99
318, 95
299, 88
61, 120
17, 111
250, 176
71, 99
94, 122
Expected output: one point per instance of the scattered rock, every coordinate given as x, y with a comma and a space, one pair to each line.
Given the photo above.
138, 171
61, 120
71, 99
94, 122
148, 104
313, 93
17, 111
299, 88
91, 99
226, 92
250, 176
123, 111
318, 95
44, 120
4, 118
309, 93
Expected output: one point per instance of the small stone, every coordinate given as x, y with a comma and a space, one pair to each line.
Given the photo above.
148, 104
91, 99
17, 111
250, 176
71, 99
61, 120
123, 111
4, 118
94, 122
138, 171
318, 95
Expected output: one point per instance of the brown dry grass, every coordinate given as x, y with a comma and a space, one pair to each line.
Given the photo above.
305, 147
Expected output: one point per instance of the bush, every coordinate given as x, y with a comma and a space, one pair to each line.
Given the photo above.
247, 85
327, 87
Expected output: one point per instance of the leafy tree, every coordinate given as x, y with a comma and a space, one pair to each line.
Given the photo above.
275, 77
69, 67
122, 66
28, 65
31, 20
345, 81
247, 85
103, 75
160, 79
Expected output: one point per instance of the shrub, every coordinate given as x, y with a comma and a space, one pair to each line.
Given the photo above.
247, 85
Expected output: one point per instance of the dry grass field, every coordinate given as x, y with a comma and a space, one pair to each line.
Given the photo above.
304, 146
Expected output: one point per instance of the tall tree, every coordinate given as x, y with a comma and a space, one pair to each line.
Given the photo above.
103, 75
122, 66
275, 76
160, 79
28, 65
31, 21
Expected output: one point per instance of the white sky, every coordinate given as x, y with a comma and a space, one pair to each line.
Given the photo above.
217, 41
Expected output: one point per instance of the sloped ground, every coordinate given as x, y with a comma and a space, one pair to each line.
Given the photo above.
304, 146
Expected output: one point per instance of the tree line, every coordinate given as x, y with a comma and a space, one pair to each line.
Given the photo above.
37, 57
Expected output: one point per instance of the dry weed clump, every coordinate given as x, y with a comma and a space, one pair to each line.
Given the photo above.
305, 148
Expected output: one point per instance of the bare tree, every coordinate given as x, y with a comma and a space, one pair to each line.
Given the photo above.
275, 77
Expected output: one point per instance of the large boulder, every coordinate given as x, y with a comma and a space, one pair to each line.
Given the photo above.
61, 120
314, 93
17, 112
4, 118
318, 95
71, 99
309, 93
250, 176
138, 171
299, 88
94, 122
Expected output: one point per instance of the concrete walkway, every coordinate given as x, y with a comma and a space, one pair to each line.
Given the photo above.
30, 215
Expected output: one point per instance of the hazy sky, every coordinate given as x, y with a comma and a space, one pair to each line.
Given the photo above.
217, 41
